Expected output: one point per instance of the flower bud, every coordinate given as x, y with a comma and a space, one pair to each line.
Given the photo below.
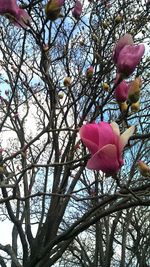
81, 42
134, 90
94, 38
143, 168
77, 10
135, 107
105, 24
53, 8
61, 95
45, 47
121, 92
123, 107
67, 81
118, 19
89, 72
105, 87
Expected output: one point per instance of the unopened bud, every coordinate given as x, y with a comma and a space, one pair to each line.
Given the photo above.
123, 107
89, 72
45, 47
67, 81
105, 87
135, 107
95, 38
81, 42
61, 95
143, 168
118, 19
134, 90
105, 24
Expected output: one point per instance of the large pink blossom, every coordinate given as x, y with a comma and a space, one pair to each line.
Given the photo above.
105, 145
10, 9
77, 10
121, 92
127, 55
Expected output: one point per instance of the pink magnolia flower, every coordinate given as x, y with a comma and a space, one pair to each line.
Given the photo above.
127, 55
124, 40
121, 92
18, 16
129, 58
77, 10
105, 144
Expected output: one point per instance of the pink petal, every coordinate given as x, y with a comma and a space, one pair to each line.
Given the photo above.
129, 57
116, 132
22, 18
90, 136
95, 136
105, 160
121, 91
6, 6
124, 40
77, 10
115, 128
10, 12
18, 16
125, 137
61, 2
106, 134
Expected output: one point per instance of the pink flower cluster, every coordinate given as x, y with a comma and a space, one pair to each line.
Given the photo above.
127, 55
105, 145
17, 15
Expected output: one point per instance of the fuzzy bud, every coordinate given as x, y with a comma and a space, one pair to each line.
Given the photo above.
67, 81
134, 90
105, 87
135, 107
123, 107
143, 168
89, 72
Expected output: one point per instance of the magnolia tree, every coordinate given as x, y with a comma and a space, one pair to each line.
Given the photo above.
120, 239
74, 134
